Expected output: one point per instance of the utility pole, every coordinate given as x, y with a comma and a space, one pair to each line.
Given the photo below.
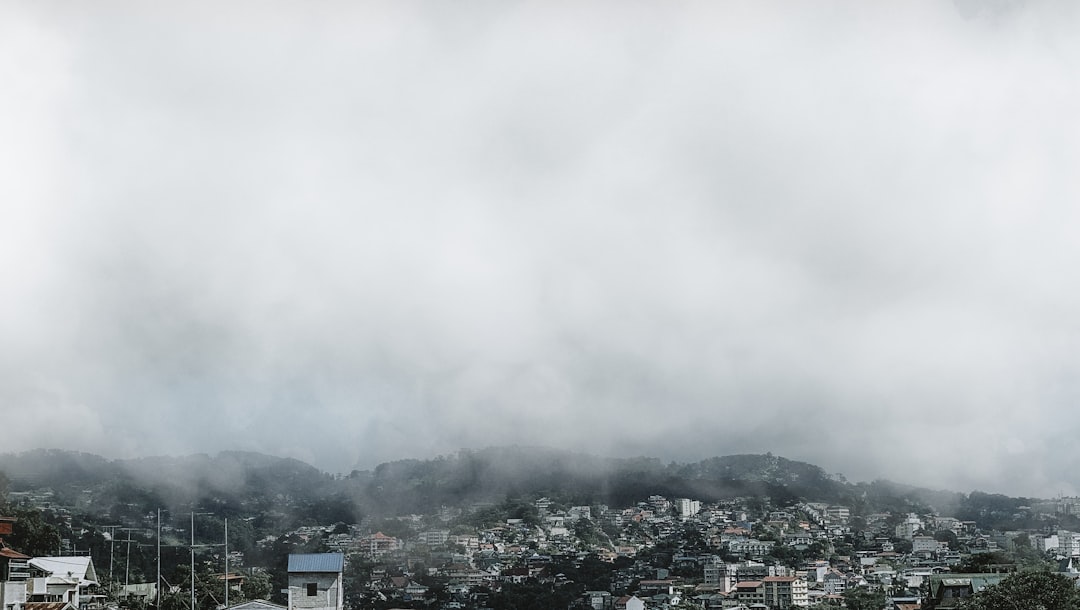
193, 513
157, 583
226, 563
192, 560
127, 558
112, 548
127, 564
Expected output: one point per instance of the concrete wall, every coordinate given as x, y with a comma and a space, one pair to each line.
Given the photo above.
328, 596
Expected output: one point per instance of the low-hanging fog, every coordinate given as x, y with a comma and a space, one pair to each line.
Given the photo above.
350, 232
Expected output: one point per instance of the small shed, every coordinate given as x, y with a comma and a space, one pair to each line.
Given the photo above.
315, 581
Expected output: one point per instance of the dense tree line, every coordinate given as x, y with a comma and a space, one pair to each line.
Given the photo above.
1027, 591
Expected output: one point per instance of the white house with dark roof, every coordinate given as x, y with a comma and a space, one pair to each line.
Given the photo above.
61, 579
315, 581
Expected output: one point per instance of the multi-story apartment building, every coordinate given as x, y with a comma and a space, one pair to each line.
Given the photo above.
716, 573
776, 592
1046, 543
750, 592
784, 592
1068, 543
909, 527
927, 544
834, 582
750, 547
838, 513
688, 507
379, 544
434, 537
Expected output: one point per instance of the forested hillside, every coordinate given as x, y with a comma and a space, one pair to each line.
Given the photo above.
295, 493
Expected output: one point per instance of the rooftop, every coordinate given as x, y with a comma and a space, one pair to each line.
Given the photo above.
317, 562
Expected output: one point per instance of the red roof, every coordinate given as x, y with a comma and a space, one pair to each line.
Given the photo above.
46, 605
11, 553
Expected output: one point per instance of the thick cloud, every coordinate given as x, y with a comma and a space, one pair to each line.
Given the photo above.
353, 232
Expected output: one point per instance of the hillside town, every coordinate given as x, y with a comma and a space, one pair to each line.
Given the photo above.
661, 553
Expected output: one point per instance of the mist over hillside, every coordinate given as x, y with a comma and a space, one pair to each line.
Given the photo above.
392, 226
242, 482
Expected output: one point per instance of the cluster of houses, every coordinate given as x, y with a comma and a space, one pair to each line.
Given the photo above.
71, 583
733, 565
719, 556
44, 583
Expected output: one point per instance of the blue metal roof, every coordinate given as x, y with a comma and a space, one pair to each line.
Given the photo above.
317, 562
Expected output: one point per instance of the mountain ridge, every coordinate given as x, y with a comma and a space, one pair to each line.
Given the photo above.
240, 478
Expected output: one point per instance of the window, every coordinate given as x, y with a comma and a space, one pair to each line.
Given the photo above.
312, 589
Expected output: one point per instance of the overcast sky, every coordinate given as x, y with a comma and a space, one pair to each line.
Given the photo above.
351, 232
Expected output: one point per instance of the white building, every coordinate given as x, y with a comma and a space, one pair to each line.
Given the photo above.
750, 547
838, 513
434, 537
909, 527
688, 507
1068, 543
1047, 543
784, 592
927, 544
61, 579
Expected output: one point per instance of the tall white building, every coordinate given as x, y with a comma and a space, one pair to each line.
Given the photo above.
909, 527
1068, 543
688, 507
1047, 543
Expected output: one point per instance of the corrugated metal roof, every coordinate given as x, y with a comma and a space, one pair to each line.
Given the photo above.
79, 567
317, 562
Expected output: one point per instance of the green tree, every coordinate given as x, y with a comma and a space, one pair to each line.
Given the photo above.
519, 508
763, 532
1027, 591
534, 596
257, 586
786, 555
32, 535
209, 587
357, 575
587, 532
984, 562
947, 536
863, 598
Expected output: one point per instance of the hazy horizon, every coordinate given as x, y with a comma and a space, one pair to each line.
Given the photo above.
526, 450
351, 233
